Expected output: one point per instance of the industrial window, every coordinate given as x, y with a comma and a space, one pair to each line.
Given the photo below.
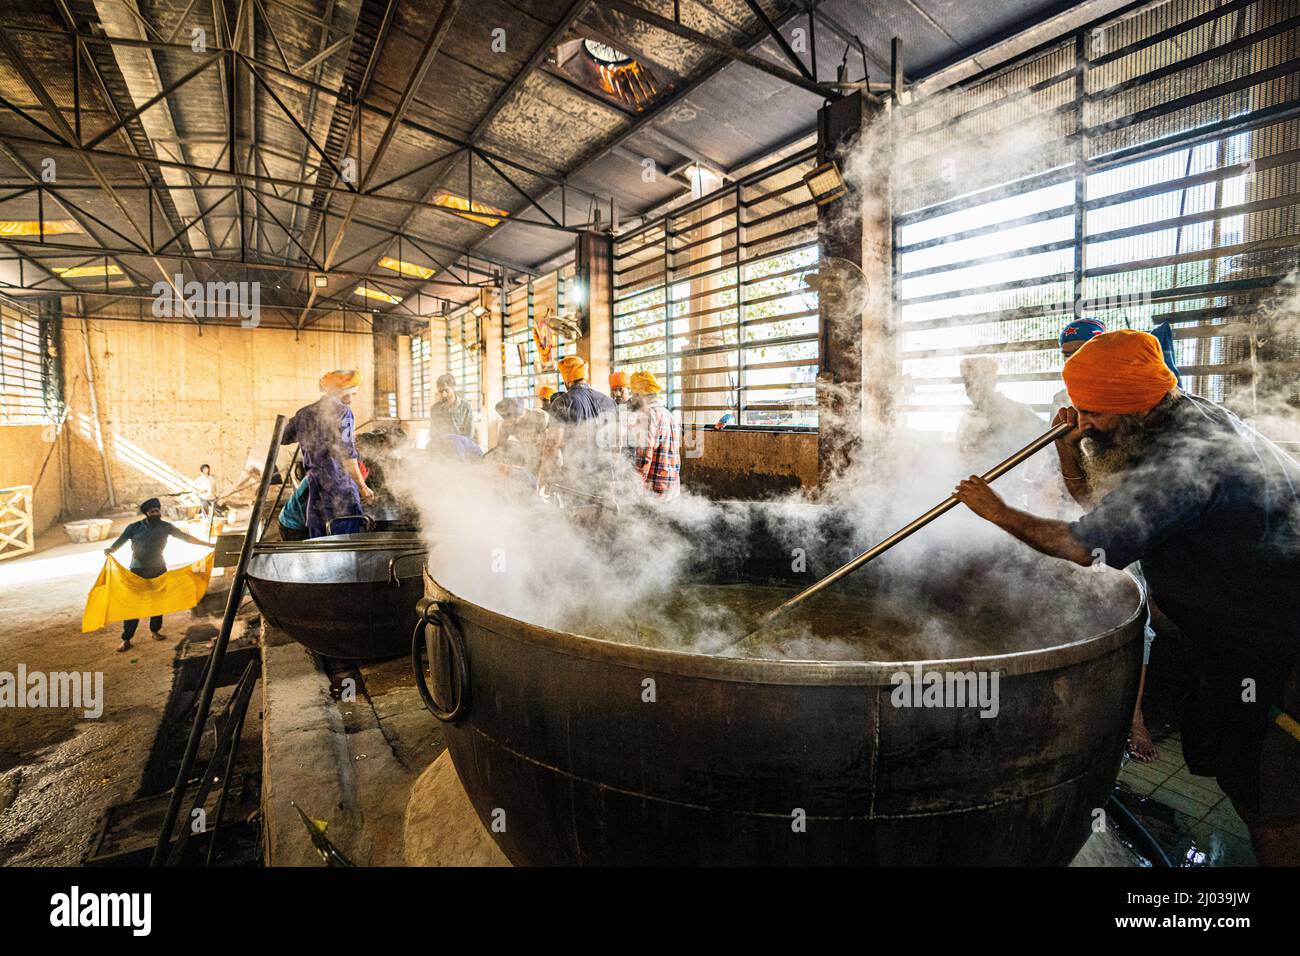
1178, 204
464, 350
539, 297
28, 372
421, 380
711, 298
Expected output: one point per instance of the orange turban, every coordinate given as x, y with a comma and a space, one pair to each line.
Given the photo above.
1118, 373
645, 383
572, 368
545, 392
618, 380
341, 380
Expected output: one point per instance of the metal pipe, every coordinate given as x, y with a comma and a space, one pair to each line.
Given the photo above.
916, 524
204, 705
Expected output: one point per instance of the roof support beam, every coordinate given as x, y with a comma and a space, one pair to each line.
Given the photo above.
25, 72
248, 176
781, 41
431, 46
49, 250
720, 46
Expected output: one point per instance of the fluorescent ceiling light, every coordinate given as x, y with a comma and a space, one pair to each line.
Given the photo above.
321, 280
370, 293
86, 272
34, 227
459, 203
406, 268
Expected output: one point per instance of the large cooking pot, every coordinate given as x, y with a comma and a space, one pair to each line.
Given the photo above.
740, 761
349, 596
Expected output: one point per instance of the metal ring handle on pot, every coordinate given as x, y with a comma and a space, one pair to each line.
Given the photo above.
438, 614
393, 579
367, 522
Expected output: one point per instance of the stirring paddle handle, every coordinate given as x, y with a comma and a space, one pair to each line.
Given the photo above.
917, 523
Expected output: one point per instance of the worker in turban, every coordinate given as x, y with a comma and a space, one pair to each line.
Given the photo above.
323, 431
1212, 510
148, 538
656, 449
579, 457
544, 396
619, 390
994, 425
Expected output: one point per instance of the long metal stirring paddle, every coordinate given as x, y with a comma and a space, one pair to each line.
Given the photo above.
997, 471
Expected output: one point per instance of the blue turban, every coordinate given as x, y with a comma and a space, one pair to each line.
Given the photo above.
1081, 330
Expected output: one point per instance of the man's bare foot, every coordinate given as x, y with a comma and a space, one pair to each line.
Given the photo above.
123, 647
1140, 745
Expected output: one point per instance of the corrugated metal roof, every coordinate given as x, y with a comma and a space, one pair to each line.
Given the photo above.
487, 83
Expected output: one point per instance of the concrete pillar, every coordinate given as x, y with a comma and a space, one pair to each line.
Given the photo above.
386, 363
859, 371
596, 313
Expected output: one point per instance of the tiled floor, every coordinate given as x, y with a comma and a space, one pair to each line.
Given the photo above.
1187, 814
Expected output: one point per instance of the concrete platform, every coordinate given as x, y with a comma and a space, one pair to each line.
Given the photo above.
345, 745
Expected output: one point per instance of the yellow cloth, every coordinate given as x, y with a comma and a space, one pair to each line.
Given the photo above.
645, 383
119, 595
572, 368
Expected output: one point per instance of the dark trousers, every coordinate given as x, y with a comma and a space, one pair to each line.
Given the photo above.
128, 627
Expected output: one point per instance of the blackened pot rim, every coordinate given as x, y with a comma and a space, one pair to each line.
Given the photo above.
776, 671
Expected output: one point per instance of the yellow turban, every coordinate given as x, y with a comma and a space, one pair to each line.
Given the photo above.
645, 383
572, 368
618, 380
1118, 373
341, 380
545, 392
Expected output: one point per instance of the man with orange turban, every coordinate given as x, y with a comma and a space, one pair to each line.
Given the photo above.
621, 393
619, 390
323, 431
1212, 510
544, 395
580, 449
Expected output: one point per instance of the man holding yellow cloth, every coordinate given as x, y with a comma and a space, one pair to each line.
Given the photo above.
1212, 510
116, 595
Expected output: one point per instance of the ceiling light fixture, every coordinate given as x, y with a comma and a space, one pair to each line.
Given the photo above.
86, 272
410, 269
34, 227
465, 208
370, 293
826, 183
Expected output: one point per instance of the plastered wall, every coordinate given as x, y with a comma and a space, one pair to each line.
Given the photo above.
171, 399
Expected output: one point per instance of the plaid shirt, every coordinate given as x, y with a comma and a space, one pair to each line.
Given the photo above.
657, 456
